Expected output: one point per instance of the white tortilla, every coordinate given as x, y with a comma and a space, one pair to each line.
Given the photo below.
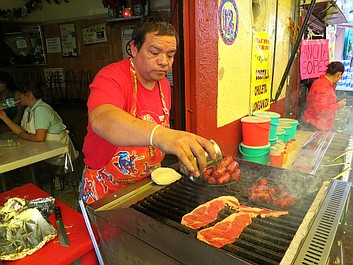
164, 175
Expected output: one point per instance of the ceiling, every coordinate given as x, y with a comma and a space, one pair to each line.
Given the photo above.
328, 12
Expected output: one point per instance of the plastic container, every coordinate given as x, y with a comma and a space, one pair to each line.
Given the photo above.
294, 124
273, 141
285, 157
274, 116
256, 154
255, 130
294, 144
280, 133
254, 150
279, 145
289, 146
276, 161
9, 103
287, 131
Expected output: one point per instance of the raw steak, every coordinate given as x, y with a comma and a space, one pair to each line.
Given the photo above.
230, 228
207, 213
226, 231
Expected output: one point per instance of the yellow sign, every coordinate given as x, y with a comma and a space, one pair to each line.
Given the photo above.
261, 78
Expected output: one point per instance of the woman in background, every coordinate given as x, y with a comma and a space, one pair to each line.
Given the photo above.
322, 100
9, 98
39, 122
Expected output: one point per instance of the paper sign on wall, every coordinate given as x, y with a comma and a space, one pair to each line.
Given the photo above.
94, 34
53, 45
314, 58
68, 40
54, 77
260, 72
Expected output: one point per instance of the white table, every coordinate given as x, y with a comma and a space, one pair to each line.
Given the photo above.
26, 153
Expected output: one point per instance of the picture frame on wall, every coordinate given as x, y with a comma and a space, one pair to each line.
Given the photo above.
68, 40
94, 34
22, 45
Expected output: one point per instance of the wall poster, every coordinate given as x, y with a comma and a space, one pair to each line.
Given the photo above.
94, 34
260, 72
68, 40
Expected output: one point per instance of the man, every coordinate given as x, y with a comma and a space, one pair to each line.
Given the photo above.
321, 100
128, 116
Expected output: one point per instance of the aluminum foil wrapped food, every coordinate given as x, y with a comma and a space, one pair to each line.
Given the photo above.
44, 205
24, 230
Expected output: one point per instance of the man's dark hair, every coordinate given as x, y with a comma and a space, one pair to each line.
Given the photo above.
335, 67
6, 78
150, 24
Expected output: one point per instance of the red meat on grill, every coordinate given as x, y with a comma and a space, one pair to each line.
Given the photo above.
224, 171
264, 193
284, 200
207, 213
230, 228
262, 212
226, 231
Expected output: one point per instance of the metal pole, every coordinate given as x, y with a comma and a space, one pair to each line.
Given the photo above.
295, 49
274, 52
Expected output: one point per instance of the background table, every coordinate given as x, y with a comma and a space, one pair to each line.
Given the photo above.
53, 253
26, 153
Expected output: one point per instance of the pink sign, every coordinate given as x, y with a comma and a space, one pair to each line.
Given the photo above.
314, 58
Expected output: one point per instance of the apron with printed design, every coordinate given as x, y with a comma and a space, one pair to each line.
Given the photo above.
128, 164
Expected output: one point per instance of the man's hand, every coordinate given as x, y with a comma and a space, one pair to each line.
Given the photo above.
186, 146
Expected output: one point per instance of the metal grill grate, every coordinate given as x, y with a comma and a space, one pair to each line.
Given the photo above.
317, 245
264, 242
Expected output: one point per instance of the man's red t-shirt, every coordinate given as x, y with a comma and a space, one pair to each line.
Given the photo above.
113, 85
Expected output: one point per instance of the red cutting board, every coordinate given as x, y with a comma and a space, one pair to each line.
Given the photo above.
53, 253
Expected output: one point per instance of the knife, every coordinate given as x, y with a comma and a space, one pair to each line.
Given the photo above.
63, 239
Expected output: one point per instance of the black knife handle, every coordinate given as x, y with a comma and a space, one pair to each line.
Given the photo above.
57, 211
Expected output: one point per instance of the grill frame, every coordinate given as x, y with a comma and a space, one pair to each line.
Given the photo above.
111, 215
121, 230
320, 239
156, 228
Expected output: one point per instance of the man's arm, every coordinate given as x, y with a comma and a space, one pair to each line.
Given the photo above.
120, 128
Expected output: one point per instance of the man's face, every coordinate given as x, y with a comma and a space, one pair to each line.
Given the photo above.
155, 58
